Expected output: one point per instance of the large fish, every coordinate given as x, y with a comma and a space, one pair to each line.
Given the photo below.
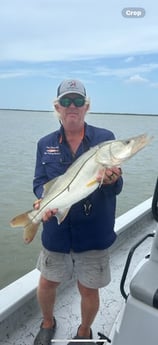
78, 181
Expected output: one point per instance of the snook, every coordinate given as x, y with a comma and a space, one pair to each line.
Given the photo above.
79, 181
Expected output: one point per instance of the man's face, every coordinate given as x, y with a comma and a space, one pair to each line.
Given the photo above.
72, 116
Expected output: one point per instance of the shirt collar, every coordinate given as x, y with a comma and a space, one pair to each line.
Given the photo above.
86, 135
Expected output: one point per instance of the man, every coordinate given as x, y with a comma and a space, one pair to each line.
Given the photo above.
82, 240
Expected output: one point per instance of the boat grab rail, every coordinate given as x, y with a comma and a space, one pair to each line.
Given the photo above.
127, 264
155, 202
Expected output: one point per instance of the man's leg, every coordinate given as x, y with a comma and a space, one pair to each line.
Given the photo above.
89, 308
46, 294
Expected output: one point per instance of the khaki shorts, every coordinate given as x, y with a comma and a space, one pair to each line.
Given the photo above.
92, 267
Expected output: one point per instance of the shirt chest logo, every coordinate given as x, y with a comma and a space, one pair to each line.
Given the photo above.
52, 150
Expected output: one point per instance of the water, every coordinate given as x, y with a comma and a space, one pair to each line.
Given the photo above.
19, 133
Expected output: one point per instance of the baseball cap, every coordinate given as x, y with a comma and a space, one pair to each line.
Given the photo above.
71, 86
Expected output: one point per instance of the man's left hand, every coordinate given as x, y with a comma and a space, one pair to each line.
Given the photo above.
109, 175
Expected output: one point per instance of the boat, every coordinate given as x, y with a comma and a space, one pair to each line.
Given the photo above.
137, 322
128, 305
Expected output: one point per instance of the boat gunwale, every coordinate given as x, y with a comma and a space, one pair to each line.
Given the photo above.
21, 291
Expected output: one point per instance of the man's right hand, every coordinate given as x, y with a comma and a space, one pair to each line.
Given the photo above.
48, 214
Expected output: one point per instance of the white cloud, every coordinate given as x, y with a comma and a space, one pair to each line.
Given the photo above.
126, 71
129, 59
155, 85
137, 79
140, 73
53, 30
13, 74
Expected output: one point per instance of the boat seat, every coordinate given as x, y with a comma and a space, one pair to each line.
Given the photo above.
144, 285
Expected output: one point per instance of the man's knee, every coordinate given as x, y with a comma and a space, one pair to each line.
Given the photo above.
46, 284
87, 292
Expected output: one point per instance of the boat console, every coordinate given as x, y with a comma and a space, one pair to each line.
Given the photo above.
139, 319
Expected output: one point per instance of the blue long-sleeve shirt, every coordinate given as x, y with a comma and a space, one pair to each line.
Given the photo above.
90, 222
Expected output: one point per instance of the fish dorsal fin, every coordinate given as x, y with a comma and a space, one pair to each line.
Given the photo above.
48, 185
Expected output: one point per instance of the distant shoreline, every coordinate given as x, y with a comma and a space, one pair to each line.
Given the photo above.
91, 112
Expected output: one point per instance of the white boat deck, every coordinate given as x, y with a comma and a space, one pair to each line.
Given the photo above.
20, 316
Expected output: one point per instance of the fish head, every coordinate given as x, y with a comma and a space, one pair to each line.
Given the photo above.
115, 152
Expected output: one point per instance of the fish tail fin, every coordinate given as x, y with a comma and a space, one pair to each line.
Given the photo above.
30, 232
30, 228
21, 220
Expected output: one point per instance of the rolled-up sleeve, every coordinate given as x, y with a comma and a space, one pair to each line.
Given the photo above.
40, 177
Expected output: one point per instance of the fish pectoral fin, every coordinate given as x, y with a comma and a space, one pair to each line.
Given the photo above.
61, 215
91, 183
30, 228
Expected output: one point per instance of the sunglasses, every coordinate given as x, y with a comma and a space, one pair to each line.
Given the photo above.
77, 101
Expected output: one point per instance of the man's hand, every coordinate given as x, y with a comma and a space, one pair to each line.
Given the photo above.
109, 175
48, 214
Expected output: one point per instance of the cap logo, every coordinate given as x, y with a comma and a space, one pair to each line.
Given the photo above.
69, 86
72, 83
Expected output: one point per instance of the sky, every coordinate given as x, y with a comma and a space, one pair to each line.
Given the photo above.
113, 51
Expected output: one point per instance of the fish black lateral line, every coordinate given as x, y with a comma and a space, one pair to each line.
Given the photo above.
78, 181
